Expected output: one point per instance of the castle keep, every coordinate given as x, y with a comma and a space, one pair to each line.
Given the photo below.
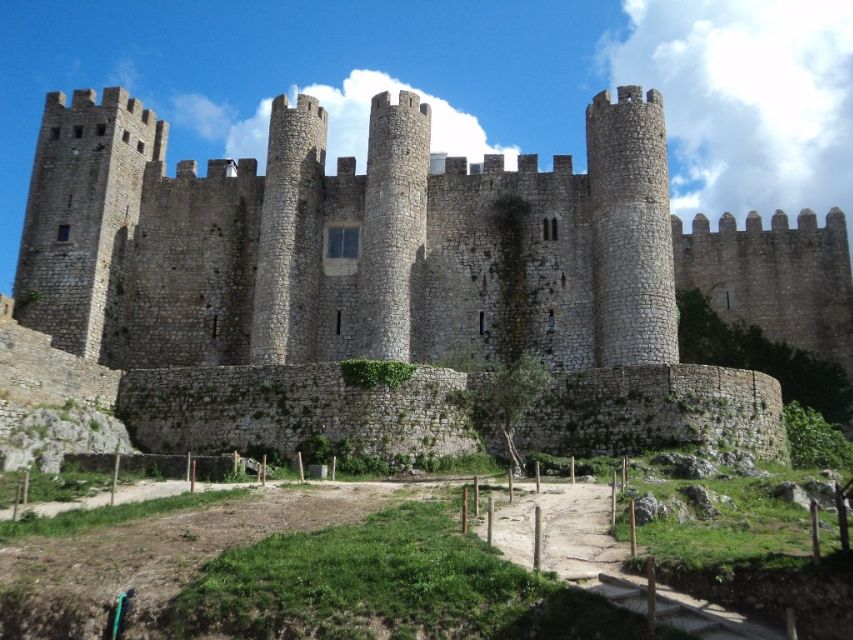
415, 260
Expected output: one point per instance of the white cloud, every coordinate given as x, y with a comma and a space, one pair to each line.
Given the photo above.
208, 119
453, 131
758, 99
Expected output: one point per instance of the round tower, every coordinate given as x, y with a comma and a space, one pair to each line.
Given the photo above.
395, 223
636, 317
290, 244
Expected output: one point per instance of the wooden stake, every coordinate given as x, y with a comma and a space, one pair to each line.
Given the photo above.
632, 519
264, 473
26, 487
510, 484
613, 506
189, 465
258, 473
334, 464
476, 496
115, 479
842, 520
465, 509
573, 469
17, 500
301, 469
815, 531
236, 462
790, 623
624, 471
652, 590
192, 477
538, 481
537, 545
491, 519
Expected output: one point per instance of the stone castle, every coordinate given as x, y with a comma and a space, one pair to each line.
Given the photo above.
419, 260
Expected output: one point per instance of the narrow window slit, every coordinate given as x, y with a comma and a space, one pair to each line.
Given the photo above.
545, 229
338, 324
554, 235
482, 322
551, 320
728, 301
215, 327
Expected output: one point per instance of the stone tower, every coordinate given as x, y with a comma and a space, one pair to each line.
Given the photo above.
85, 193
395, 224
636, 319
290, 247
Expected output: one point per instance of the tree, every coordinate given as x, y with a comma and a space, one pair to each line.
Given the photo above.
516, 389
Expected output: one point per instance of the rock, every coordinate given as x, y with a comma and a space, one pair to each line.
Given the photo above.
701, 500
793, 493
585, 479
648, 508
742, 463
829, 473
678, 510
686, 467
821, 492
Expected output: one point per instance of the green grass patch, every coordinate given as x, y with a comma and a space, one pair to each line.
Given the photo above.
72, 522
405, 568
59, 487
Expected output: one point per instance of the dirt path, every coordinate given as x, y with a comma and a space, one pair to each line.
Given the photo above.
64, 587
575, 524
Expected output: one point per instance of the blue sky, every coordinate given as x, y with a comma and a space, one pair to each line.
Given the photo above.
758, 105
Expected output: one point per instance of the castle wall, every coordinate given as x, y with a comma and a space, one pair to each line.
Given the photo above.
186, 294
630, 409
277, 407
469, 260
793, 283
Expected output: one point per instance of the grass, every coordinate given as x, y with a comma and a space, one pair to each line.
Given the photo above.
757, 529
72, 522
405, 569
58, 487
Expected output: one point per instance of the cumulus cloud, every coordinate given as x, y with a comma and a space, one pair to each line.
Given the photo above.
453, 131
758, 99
208, 119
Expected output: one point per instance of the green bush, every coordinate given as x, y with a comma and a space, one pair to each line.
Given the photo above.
316, 450
815, 442
370, 373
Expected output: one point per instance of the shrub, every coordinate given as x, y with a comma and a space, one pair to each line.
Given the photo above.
815, 442
370, 373
316, 450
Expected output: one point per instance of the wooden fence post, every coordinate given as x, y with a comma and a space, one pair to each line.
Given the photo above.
613, 506
264, 474
17, 500
189, 464
842, 520
192, 477
813, 507
537, 546
26, 487
632, 519
476, 496
624, 471
652, 593
538, 481
490, 527
790, 623
334, 464
573, 469
115, 479
510, 484
301, 469
236, 463
465, 509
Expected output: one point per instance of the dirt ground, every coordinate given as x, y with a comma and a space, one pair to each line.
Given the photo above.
67, 585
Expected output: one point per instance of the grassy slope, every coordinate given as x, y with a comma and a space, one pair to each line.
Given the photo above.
406, 567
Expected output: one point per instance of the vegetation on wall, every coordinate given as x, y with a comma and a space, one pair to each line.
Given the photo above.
705, 338
514, 310
370, 373
814, 442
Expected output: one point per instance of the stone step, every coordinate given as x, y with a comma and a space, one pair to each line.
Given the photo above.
689, 622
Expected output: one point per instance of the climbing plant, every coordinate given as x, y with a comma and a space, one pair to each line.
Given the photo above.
370, 373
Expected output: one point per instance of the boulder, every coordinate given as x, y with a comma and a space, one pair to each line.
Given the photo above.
648, 508
701, 501
686, 467
793, 493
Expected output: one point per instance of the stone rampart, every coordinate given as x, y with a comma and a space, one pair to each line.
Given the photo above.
627, 410
31, 372
278, 407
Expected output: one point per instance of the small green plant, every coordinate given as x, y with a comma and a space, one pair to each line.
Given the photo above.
371, 373
814, 442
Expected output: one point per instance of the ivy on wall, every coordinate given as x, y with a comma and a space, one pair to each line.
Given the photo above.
371, 373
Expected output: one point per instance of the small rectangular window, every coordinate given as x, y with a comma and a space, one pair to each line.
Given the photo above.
140, 146
482, 322
54, 133
213, 330
64, 233
78, 131
125, 137
343, 242
338, 325
102, 129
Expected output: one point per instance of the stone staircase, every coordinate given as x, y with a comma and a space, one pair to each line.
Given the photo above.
673, 609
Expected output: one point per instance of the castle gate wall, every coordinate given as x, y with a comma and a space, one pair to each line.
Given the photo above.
277, 407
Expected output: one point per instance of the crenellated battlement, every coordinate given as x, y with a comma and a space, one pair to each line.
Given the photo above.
83, 101
305, 104
727, 224
629, 94
407, 100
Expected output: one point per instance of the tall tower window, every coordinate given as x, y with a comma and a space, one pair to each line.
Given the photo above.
64, 233
54, 133
343, 242
338, 324
101, 129
546, 229
551, 322
482, 322
554, 235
